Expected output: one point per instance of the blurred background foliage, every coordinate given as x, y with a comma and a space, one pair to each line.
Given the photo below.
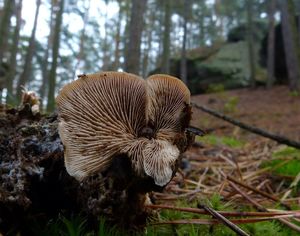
44, 44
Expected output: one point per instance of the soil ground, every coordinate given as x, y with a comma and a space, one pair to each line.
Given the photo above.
275, 110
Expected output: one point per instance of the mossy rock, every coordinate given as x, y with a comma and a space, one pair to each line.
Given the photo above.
226, 64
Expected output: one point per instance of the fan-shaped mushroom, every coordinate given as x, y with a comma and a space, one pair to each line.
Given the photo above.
111, 113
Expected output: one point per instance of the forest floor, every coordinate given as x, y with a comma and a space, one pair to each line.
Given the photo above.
276, 110
252, 181
231, 169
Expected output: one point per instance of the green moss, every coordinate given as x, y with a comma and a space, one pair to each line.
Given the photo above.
231, 105
294, 94
74, 226
215, 202
292, 167
215, 88
287, 152
221, 140
267, 228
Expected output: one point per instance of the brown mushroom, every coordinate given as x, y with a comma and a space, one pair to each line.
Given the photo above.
111, 113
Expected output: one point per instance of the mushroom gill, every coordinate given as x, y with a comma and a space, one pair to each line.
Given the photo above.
108, 114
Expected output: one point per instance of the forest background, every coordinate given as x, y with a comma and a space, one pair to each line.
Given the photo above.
211, 45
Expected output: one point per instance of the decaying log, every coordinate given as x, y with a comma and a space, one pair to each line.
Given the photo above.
35, 184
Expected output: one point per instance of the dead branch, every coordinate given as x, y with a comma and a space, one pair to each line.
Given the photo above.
282, 218
224, 220
261, 208
225, 213
261, 132
275, 199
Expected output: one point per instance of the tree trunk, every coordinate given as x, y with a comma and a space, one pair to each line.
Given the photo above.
80, 55
271, 42
160, 18
133, 47
147, 49
13, 57
5, 26
290, 45
4, 35
166, 38
106, 45
126, 31
24, 77
55, 54
219, 16
45, 65
295, 32
249, 6
116, 63
201, 24
183, 70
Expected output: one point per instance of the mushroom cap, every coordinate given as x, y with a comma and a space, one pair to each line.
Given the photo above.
168, 97
106, 114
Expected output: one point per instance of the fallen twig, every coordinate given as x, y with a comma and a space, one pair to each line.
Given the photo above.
225, 221
261, 208
264, 133
283, 218
225, 213
258, 191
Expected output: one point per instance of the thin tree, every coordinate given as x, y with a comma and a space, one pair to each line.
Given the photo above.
159, 32
218, 12
290, 44
298, 10
166, 38
45, 64
249, 6
133, 46
80, 55
13, 57
106, 46
148, 42
4, 35
55, 54
271, 44
116, 62
127, 9
183, 69
5, 26
202, 23
24, 77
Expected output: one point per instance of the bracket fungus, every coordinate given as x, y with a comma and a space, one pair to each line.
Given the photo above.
110, 114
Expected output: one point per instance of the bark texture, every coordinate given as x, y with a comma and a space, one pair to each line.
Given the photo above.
166, 38
290, 45
13, 57
271, 44
183, 70
4, 34
25, 76
249, 5
133, 46
55, 55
